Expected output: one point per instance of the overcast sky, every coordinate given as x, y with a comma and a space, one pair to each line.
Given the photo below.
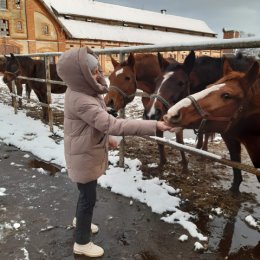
241, 15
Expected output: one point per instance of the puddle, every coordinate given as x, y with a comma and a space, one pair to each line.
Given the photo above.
231, 236
46, 166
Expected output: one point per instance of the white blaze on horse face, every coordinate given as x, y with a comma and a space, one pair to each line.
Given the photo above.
119, 72
152, 109
173, 111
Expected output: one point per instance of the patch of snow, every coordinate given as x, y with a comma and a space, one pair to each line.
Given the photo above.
183, 238
16, 225
2, 191
152, 165
42, 171
16, 164
251, 221
218, 211
198, 246
26, 253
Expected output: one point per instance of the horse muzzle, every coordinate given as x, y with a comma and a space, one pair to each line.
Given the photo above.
172, 119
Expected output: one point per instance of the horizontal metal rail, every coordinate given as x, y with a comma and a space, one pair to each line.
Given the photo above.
208, 44
215, 44
213, 157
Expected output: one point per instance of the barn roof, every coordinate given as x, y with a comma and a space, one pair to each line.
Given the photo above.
83, 30
97, 10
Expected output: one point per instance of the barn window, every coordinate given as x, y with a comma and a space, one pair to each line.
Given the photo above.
45, 29
18, 4
19, 26
4, 27
3, 4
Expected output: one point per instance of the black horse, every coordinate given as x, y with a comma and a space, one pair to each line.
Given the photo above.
194, 75
18, 82
28, 67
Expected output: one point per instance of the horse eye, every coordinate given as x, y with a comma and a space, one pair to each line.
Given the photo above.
127, 78
226, 96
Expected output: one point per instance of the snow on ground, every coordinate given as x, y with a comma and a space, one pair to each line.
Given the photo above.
33, 136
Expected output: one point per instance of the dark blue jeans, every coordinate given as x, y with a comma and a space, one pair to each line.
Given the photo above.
84, 212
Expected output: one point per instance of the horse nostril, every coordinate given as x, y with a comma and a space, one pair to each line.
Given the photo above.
176, 118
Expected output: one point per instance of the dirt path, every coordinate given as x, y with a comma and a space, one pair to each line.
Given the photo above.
43, 206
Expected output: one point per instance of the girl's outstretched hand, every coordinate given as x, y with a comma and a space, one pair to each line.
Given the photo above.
162, 126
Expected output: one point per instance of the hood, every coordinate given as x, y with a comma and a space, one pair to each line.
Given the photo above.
74, 71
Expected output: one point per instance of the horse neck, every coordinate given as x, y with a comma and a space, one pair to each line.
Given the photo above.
254, 101
146, 87
205, 74
26, 66
146, 73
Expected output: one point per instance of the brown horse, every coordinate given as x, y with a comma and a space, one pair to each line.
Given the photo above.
139, 71
26, 66
18, 82
230, 106
205, 70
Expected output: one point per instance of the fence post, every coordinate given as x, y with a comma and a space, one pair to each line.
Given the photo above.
14, 100
48, 77
122, 115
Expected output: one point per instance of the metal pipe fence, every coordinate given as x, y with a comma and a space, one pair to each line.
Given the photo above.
214, 44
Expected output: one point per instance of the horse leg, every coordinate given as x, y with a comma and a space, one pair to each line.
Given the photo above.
234, 149
179, 139
206, 141
28, 92
161, 149
19, 88
43, 99
200, 141
9, 85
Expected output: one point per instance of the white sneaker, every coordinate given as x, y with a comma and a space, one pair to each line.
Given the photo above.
90, 250
94, 228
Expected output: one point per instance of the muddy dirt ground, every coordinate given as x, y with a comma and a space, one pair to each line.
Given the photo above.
46, 205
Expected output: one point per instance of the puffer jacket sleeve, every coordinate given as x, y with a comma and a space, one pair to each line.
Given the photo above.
98, 118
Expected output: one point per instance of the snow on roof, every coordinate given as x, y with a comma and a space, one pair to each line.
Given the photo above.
91, 8
90, 30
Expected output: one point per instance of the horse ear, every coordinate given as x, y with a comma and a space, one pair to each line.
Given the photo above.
226, 67
251, 76
114, 62
131, 60
12, 55
163, 63
189, 62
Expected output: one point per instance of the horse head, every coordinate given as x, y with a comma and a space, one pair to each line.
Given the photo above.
220, 105
122, 83
12, 68
172, 85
